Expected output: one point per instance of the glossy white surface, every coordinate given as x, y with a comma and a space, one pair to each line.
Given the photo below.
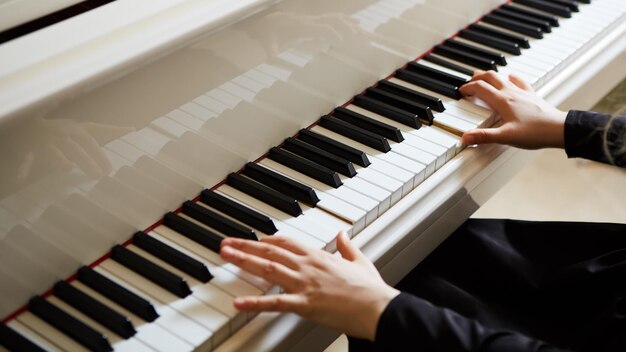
102, 134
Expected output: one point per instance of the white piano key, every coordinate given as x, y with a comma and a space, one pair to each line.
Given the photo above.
217, 321
418, 155
286, 230
211, 104
302, 222
465, 115
331, 222
215, 258
222, 278
444, 138
369, 189
439, 152
463, 104
118, 343
49, 333
184, 316
327, 224
249, 83
444, 69
32, 336
224, 97
238, 91
391, 185
346, 208
416, 139
377, 163
261, 77
529, 66
198, 111
150, 333
165, 124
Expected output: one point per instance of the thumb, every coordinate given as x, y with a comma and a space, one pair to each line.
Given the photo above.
518, 81
346, 248
481, 136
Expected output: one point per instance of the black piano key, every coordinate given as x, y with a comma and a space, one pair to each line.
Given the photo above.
466, 58
332, 146
433, 103
551, 19
193, 231
142, 266
436, 74
416, 109
451, 65
493, 42
556, 9
70, 326
97, 311
281, 183
118, 294
571, 4
356, 133
265, 194
515, 26
307, 167
368, 123
544, 25
177, 259
238, 211
218, 222
390, 111
431, 84
474, 50
522, 41
584, 1
14, 341
320, 156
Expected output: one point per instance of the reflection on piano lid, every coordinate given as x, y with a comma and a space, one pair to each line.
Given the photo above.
387, 167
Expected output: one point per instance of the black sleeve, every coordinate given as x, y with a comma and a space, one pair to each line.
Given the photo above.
596, 136
410, 323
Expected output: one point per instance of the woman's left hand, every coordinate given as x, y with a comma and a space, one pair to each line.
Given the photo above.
346, 293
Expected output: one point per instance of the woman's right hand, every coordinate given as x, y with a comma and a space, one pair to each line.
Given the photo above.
527, 121
343, 292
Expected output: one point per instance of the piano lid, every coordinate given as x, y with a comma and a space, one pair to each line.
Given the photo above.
17, 12
108, 124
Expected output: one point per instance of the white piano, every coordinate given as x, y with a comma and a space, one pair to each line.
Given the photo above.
114, 117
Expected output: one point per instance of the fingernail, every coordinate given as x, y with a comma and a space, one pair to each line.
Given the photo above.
468, 140
226, 251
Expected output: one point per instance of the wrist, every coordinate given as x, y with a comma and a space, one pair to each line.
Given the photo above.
556, 130
376, 309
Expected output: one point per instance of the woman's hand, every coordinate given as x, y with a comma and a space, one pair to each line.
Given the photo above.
527, 122
345, 293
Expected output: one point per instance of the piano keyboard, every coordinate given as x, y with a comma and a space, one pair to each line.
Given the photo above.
167, 288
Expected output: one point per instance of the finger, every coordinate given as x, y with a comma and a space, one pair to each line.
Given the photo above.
482, 136
490, 77
518, 81
104, 133
476, 73
288, 244
25, 166
272, 303
93, 149
484, 91
271, 271
76, 154
264, 250
347, 249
